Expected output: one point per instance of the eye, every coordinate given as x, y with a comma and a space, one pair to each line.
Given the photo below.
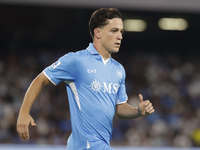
113, 31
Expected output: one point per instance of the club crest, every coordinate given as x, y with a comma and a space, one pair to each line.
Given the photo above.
119, 73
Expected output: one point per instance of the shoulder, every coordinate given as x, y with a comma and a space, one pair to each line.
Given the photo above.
74, 55
119, 65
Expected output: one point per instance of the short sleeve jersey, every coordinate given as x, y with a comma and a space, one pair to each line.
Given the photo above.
94, 88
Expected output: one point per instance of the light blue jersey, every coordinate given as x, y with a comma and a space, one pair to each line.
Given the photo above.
94, 88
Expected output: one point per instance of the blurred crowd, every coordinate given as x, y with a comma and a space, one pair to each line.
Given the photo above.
170, 82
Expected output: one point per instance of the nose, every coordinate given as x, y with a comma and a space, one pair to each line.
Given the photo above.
120, 37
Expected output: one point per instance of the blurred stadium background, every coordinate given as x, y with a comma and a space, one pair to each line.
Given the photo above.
160, 52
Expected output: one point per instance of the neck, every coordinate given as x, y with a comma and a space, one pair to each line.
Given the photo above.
102, 51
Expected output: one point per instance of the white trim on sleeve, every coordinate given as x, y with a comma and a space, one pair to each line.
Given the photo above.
118, 102
48, 78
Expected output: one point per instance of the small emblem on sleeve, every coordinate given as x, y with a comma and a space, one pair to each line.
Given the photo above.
56, 64
119, 73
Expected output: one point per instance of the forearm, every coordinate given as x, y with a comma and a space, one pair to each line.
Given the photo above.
126, 111
33, 91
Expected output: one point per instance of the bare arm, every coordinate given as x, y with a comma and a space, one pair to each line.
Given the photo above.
126, 111
24, 118
33, 91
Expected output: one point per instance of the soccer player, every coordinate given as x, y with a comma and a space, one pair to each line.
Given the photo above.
95, 86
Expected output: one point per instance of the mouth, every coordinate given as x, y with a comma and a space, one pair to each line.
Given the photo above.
117, 44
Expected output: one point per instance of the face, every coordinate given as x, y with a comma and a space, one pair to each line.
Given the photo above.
111, 35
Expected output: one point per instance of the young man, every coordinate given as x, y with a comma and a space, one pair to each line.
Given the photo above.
95, 85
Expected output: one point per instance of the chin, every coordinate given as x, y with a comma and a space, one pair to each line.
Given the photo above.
115, 50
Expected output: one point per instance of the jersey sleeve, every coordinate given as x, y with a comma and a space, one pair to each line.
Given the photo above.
62, 70
121, 95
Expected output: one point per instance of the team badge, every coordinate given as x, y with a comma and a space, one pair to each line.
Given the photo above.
119, 73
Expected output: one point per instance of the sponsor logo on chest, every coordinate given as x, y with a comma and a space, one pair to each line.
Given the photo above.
96, 86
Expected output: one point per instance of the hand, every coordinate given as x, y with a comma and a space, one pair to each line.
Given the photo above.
23, 122
145, 107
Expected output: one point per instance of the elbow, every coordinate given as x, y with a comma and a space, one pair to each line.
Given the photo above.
120, 116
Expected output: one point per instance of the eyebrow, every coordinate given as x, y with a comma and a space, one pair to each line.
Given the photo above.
114, 28
122, 30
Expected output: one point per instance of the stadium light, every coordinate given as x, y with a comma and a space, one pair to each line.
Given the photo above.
173, 24
134, 25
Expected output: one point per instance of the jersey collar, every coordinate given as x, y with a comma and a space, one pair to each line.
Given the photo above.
92, 49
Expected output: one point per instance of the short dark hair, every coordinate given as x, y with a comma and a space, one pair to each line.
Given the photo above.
100, 16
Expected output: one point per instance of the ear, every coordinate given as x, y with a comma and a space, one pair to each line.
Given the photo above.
97, 33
